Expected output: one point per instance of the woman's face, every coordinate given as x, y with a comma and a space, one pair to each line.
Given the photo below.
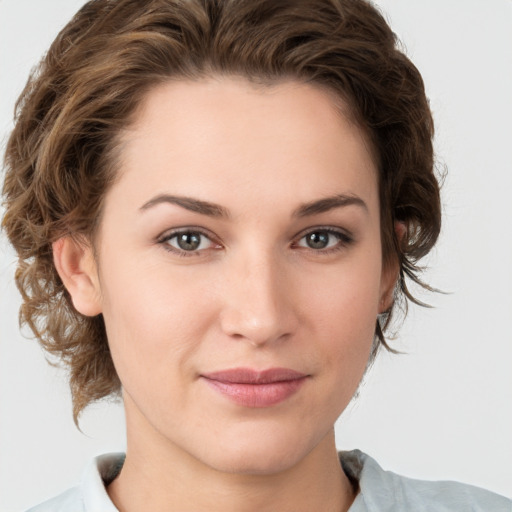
240, 271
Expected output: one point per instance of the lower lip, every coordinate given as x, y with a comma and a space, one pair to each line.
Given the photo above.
257, 395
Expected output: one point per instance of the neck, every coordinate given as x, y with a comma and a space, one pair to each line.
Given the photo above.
160, 476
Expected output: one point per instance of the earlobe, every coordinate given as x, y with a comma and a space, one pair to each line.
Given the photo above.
389, 280
391, 273
77, 269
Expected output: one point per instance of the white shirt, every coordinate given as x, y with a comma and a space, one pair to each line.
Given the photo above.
379, 490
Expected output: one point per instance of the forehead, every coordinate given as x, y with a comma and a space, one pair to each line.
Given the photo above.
226, 137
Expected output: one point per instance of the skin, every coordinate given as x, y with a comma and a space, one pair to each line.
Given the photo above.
254, 293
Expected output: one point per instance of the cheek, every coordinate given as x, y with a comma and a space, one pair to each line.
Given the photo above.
343, 310
154, 321
347, 297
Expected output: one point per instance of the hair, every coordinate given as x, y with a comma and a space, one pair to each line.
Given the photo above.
61, 155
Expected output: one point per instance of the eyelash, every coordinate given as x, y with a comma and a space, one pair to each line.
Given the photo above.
343, 240
165, 239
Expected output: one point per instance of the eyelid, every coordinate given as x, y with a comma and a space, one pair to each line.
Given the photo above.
171, 233
345, 238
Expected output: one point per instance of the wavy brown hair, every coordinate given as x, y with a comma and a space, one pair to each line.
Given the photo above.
61, 156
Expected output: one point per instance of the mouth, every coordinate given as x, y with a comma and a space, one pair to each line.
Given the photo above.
256, 388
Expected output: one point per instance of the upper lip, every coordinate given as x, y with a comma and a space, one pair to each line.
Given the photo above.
252, 376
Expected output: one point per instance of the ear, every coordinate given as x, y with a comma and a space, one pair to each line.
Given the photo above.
390, 274
76, 266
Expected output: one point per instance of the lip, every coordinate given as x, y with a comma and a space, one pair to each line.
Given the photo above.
256, 388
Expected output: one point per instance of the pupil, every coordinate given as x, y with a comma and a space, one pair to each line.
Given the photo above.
189, 241
318, 240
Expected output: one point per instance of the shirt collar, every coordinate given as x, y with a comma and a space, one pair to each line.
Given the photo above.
374, 485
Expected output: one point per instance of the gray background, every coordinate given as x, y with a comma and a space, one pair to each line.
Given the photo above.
444, 410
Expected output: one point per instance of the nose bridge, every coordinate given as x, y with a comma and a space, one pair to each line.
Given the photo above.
258, 307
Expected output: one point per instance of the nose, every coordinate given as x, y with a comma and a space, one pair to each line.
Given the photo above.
258, 304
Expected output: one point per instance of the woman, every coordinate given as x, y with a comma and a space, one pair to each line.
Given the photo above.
237, 222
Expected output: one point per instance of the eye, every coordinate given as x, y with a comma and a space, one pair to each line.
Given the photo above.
187, 241
324, 239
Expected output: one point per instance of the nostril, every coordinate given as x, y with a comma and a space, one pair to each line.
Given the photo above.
257, 305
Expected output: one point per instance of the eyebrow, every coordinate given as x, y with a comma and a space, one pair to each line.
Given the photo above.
329, 203
193, 205
215, 210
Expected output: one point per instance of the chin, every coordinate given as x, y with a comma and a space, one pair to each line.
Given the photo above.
256, 461
264, 453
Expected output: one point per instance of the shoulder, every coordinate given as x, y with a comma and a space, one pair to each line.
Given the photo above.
91, 495
382, 491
